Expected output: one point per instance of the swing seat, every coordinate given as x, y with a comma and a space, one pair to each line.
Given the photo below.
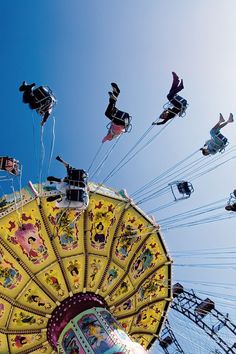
179, 103
232, 200
77, 177
77, 195
9, 164
43, 99
220, 142
124, 118
184, 188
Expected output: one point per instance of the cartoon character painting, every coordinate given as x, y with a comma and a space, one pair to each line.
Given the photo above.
102, 218
95, 334
112, 275
1, 310
95, 266
73, 268
126, 240
20, 341
151, 287
142, 262
28, 237
67, 230
21, 318
9, 275
34, 298
53, 282
71, 344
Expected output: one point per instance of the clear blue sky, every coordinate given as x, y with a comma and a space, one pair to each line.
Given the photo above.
78, 48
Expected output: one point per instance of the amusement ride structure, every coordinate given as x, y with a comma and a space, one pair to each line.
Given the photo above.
79, 282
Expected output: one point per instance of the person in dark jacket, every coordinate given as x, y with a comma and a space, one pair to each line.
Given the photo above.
177, 104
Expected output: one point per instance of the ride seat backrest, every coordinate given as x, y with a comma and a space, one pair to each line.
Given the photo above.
180, 103
77, 175
76, 195
44, 98
9, 164
222, 138
41, 93
180, 187
123, 116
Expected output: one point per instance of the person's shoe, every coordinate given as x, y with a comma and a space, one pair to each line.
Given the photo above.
231, 118
53, 179
181, 85
52, 198
112, 96
115, 89
23, 86
175, 75
221, 120
31, 85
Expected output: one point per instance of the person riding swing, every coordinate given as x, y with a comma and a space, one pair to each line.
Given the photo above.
120, 121
218, 141
177, 105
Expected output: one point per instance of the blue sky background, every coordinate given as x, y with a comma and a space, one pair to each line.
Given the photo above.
78, 48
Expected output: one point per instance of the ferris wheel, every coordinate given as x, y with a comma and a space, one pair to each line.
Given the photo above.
204, 315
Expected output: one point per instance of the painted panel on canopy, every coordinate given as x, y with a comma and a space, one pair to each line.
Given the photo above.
3, 344
34, 297
71, 343
30, 239
155, 287
21, 319
133, 230
20, 342
96, 268
12, 276
53, 279
149, 257
5, 308
143, 339
113, 275
123, 291
45, 349
125, 308
74, 267
126, 323
148, 319
103, 215
67, 227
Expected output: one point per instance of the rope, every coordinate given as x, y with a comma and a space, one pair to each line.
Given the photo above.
17, 211
147, 185
218, 217
20, 189
97, 153
156, 194
191, 212
161, 207
119, 166
42, 158
34, 139
52, 144
99, 167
